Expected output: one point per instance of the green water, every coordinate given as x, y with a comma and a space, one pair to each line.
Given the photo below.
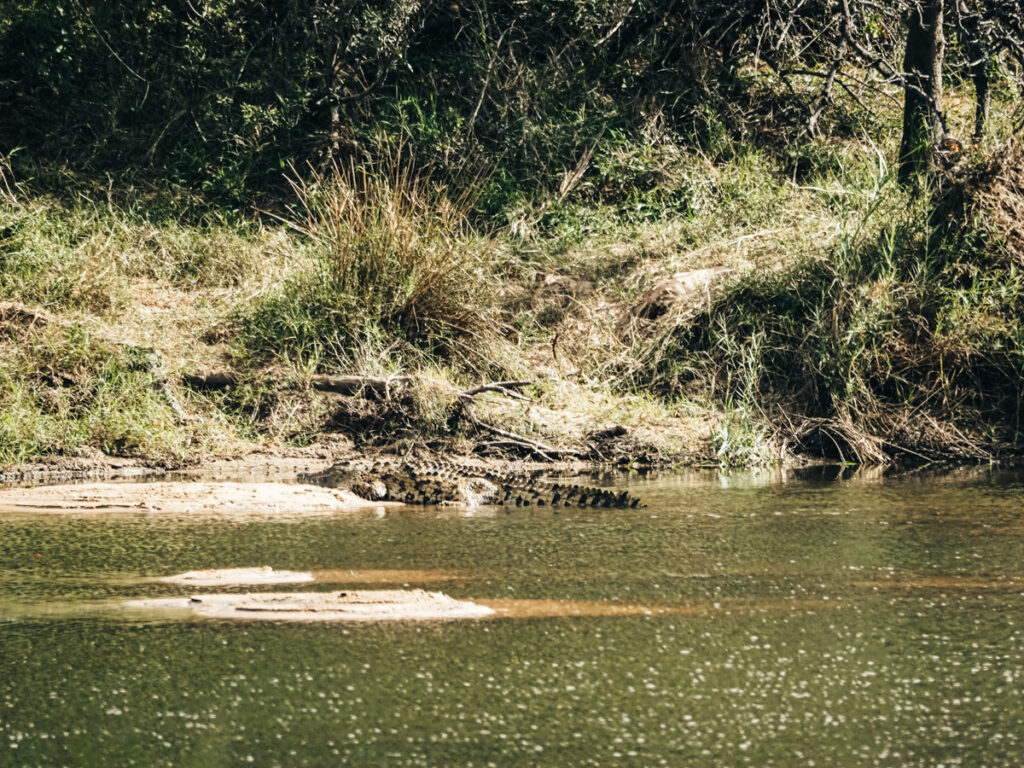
819, 621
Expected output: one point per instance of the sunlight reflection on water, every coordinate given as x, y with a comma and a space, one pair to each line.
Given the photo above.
825, 617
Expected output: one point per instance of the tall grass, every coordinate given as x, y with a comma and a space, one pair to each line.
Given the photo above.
83, 255
903, 342
397, 271
101, 304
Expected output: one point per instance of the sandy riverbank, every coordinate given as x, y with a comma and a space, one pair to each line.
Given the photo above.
195, 498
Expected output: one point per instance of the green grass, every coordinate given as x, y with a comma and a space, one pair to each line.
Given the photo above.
110, 302
63, 388
83, 256
904, 341
856, 322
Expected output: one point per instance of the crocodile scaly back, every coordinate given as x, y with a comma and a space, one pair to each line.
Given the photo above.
446, 482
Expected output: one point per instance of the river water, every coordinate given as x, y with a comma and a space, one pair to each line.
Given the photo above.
814, 619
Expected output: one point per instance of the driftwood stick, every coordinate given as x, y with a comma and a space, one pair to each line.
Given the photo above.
505, 388
497, 386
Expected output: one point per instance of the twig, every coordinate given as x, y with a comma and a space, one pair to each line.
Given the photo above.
572, 178
826, 92
501, 387
618, 26
465, 402
884, 68
15, 311
114, 53
487, 80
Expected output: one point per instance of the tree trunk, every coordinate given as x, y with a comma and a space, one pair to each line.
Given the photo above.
922, 109
983, 97
978, 57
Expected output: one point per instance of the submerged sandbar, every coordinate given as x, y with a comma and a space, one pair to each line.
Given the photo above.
347, 605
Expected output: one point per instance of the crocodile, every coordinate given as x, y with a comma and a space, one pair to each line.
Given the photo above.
42, 474
446, 482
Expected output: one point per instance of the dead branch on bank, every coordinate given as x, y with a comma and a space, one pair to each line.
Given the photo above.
395, 389
395, 386
509, 389
390, 388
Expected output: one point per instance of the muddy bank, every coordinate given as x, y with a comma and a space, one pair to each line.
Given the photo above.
76, 469
270, 465
89, 464
268, 482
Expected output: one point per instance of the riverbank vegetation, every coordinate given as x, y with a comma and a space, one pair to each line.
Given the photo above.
690, 252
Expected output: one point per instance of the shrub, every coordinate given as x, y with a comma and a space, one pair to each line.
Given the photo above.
397, 269
904, 342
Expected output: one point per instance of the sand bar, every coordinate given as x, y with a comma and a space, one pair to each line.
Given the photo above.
348, 605
212, 577
188, 498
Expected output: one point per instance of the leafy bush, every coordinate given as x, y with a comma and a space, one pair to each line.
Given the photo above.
221, 97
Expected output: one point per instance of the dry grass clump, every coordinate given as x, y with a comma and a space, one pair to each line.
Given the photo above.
394, 242
397, 268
